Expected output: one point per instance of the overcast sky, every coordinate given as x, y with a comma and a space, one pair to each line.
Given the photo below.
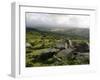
56, 20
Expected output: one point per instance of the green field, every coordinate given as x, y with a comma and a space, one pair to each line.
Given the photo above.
41, 49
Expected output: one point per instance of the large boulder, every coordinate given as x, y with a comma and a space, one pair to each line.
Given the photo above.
28, 45
68, 43
63, 53
81, 47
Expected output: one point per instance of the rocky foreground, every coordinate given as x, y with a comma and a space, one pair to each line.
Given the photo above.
67, 53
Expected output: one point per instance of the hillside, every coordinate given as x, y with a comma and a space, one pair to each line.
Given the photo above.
50, 46
82, 33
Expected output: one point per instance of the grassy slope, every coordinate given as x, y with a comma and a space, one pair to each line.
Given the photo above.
42, 40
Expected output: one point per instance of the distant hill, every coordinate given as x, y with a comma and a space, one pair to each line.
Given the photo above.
81, 32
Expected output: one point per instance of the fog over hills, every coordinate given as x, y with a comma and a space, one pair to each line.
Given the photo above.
59, 23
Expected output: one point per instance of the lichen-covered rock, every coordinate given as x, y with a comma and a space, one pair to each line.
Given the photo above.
28, 45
